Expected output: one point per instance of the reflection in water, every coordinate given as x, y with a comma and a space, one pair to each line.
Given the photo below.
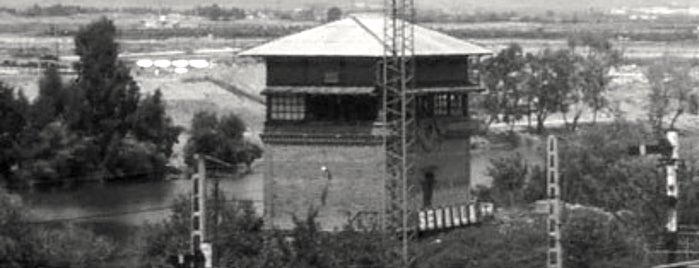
132, 203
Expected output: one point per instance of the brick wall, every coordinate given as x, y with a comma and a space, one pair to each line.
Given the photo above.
294, 182
449, 161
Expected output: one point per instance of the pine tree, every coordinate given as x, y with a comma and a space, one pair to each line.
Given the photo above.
105, 106
150, 123
110, 93
48, 105
13, 121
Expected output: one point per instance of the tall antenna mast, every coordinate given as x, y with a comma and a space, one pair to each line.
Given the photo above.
399, 116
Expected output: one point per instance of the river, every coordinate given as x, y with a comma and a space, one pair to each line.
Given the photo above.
130, 203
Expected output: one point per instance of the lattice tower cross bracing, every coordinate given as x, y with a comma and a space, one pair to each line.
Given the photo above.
399, 115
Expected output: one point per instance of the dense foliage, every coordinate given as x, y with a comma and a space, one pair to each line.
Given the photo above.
26, 244
672, 85
566, 81
240, 241
616, 193
215, 12
509, 175
221, 138
517, 238
98, 127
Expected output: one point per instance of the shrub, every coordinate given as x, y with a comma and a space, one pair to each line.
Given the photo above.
509, 175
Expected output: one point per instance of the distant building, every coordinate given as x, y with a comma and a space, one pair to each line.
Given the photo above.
323, 128
162, 21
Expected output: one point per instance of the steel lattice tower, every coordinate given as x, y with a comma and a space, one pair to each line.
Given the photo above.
399, 116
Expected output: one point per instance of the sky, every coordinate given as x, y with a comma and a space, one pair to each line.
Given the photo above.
463, 5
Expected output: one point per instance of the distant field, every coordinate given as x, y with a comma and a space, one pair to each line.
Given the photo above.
455, 5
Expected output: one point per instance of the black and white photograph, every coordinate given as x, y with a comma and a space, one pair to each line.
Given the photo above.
349, 134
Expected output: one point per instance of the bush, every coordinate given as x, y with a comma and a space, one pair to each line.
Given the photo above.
594, 238
509, 175
221, 138
239, 241
535, 188
24, 244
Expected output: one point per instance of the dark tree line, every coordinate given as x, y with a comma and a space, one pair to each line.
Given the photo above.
98, 127
215, 12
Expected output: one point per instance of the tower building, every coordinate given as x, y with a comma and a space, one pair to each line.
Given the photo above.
324, 133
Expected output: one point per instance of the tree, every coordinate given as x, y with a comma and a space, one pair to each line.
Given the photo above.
151, 124
221, 138
49, 103
569, 78
509, 176
598, 58
51, 154
503, 78
544, 85
596, 171
110, 93
105, 93
334, 13
592, 237
13, 121
671, 88
535, 187
118, 129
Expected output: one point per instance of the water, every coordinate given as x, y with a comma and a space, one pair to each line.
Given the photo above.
133, 203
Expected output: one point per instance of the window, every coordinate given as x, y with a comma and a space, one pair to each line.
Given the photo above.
287, 107
331, 77
474, 76
446, 104
455, 105
342, 108
441, 104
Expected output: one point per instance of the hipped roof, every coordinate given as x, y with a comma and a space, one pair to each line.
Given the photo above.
360, 37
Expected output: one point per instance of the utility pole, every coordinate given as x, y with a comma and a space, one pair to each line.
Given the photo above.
216, 214
671, 167
198, 234
668, 148
554, 258
208, 248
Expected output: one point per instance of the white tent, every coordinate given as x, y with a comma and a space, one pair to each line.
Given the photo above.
199, 63
144, 63
180, 63
162, 63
